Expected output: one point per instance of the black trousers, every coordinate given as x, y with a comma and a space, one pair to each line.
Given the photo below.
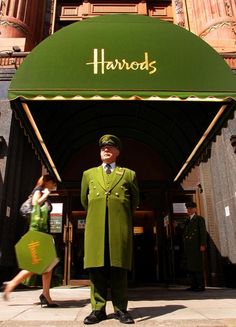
197, 279
104, 278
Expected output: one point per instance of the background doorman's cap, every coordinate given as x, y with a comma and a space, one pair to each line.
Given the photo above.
109, 139
190, 205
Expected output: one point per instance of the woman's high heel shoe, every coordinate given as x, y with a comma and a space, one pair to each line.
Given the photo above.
44, 302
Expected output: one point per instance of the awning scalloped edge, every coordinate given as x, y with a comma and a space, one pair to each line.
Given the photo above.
134, 97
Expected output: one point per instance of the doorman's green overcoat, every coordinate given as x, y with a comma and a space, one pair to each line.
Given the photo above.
194, 235
118, 198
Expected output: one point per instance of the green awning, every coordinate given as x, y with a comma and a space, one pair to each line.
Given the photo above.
189, 91
123, 57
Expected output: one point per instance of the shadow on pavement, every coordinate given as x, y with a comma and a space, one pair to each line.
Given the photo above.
152, 312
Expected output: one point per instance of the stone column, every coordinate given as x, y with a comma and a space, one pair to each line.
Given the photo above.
178, 12
215, 22
22, 19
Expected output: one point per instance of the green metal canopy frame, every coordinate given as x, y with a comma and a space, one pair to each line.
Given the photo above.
123, 57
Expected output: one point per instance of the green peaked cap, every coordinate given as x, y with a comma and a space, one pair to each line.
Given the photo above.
109, 139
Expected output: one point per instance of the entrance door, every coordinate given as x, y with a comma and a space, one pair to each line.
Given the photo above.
158, 250
145, 263
67, 228
58, 221
76, 274
74, 243
145, 269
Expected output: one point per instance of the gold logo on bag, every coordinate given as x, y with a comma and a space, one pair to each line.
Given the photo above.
33, 251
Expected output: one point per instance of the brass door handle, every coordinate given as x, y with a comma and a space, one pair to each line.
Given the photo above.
65, 234
70, 233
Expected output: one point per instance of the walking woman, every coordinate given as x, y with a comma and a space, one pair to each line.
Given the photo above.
40, 193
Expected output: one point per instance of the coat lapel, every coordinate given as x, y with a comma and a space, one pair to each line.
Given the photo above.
117, 175
99, 176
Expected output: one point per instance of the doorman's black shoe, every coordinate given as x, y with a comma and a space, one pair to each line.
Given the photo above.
124, 317
95, 317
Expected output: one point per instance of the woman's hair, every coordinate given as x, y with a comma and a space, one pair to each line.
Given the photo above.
44, 179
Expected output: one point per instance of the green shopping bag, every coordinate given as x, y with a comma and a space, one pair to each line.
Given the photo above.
36, 252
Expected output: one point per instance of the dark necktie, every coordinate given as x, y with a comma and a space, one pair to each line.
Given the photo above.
108, 168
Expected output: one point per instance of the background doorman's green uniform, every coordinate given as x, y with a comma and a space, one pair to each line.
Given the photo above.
195, 235
110, 201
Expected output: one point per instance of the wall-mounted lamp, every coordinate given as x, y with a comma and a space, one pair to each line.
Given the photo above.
233, 142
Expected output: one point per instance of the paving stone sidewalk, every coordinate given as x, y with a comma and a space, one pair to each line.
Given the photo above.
163, 307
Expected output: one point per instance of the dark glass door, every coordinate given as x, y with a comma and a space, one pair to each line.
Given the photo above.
58, 221
67, 225
145, 269
76, 275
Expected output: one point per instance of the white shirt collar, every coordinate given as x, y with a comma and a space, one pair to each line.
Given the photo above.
113, 165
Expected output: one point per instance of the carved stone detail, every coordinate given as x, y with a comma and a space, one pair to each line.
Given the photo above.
2, 9
14, 25
228, 8
229, 25
179, 12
